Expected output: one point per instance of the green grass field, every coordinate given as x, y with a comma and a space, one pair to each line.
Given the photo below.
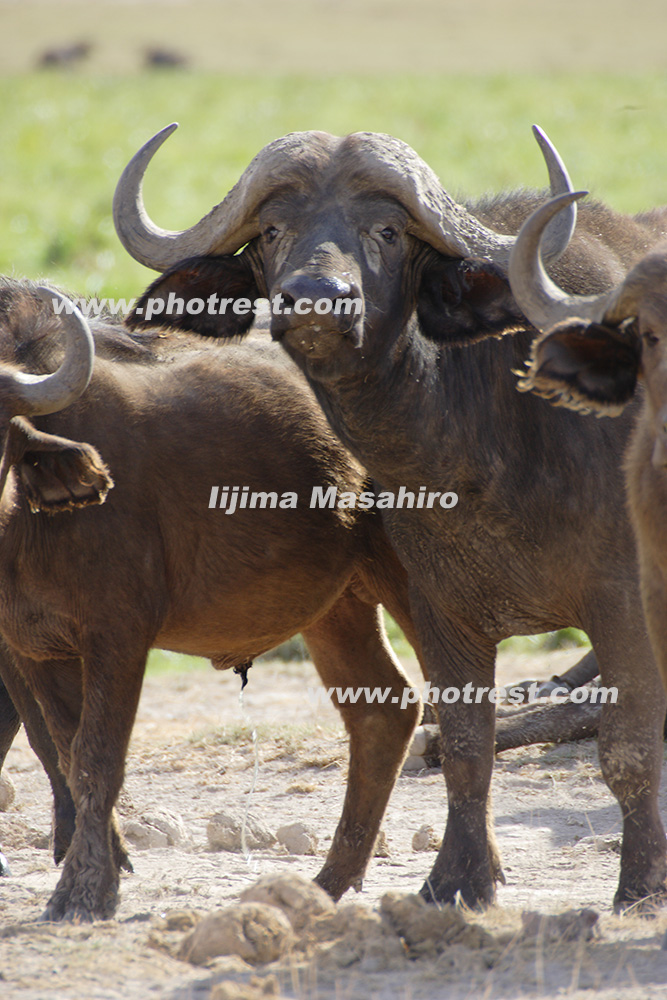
64, 140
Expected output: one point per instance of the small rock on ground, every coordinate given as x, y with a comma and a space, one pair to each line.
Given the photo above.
161, 829
381, 849
7, 792
425, 839
297, 838
226, 830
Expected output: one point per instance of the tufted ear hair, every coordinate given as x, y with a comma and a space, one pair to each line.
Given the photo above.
584, 366
463, 301
211, 296
56, 474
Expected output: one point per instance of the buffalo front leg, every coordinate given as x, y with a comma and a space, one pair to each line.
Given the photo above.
630, 746
92, 744
350, 649
461, 665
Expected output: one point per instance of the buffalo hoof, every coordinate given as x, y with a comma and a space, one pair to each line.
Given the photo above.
475, 896
72, 915
83, 897
4, 865
60, 910
333, 885
645, 906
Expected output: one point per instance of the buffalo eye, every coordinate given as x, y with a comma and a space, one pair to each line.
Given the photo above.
650, 338
388, 234
270, 233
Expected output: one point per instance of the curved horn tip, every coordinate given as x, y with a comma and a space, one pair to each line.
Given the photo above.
544, 142
535, 225
542, 301
167, 130
156, 140
561, 229
540, 134
558, 175
556, 205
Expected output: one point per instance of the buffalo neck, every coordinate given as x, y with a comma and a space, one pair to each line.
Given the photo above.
451, 418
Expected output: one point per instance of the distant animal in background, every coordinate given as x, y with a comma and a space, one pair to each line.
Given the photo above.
157, 58
64, 55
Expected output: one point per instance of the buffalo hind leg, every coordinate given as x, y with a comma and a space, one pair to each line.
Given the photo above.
91, 733
349, 649
9, 727
42, 744
630, 747
9, 721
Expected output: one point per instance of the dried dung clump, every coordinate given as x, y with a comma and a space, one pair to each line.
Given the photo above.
428, 930
354, 934
569, 926
256, 932
299, 899
259, 988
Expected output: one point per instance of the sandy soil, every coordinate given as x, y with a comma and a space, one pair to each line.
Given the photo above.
193, 755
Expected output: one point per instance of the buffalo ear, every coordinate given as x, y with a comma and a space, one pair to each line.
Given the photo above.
56, 474
584, 366
463, 301
169, 301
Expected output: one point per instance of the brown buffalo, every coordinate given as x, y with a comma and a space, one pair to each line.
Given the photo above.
539, 540
88, 589
594, 352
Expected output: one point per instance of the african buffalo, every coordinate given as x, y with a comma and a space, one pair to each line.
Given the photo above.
62, 56
591, 356
539, 538
87, 589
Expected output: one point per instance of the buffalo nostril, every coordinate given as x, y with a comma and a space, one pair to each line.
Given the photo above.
308, 287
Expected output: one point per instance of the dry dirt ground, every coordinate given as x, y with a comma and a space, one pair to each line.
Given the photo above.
192, 755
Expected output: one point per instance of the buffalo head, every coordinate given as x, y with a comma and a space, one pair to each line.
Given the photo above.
56, 474
595, 347
348, 238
